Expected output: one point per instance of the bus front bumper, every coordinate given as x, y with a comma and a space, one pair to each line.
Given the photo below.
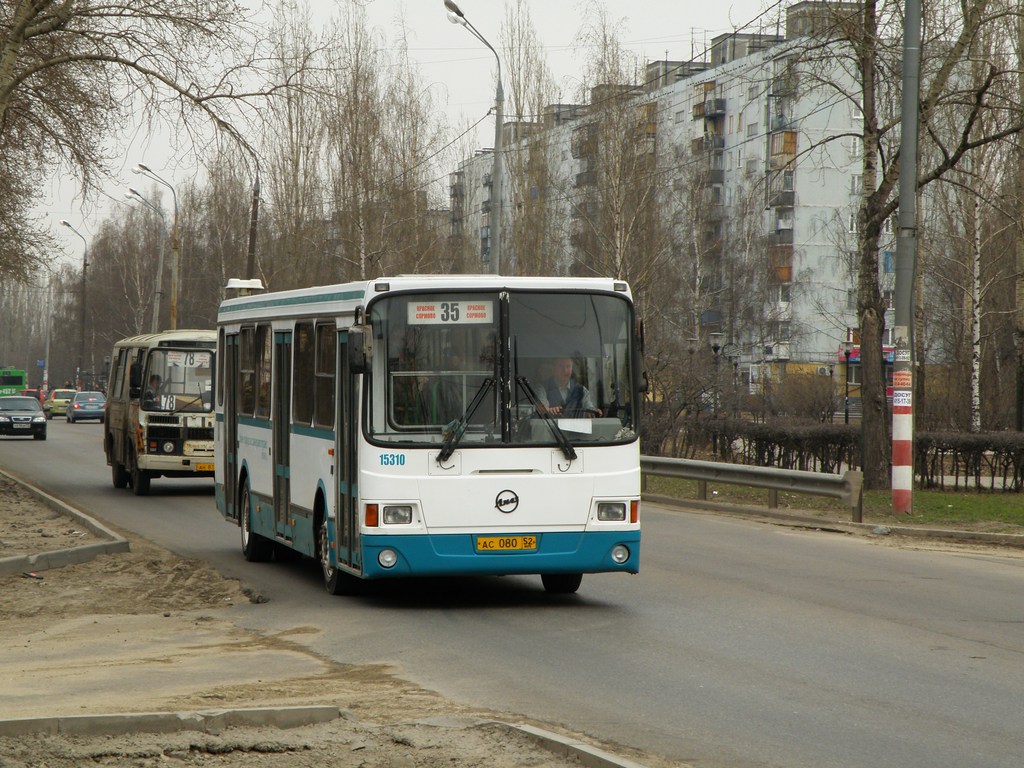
461, 555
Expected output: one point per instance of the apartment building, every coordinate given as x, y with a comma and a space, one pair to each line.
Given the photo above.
757, 139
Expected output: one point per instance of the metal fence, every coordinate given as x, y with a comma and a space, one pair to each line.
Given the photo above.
847, 487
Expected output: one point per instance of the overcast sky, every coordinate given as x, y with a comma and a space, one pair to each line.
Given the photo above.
460, 70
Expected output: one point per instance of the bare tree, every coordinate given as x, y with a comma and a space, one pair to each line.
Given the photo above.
73, 73
862, 41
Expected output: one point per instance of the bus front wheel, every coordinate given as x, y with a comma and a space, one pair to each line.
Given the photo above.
118, 474
255, 548
139, 478
336, 581
561, 583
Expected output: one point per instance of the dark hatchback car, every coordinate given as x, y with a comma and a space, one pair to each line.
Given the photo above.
87, 405
22, 416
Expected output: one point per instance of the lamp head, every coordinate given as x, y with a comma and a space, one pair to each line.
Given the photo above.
141, 168
65, 223
453, 8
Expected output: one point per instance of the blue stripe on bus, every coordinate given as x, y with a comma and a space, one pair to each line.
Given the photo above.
293, 301
321, 432
249, 421
456, 555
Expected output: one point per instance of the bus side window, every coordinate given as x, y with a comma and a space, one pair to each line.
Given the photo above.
135, 381
247, 369
303, 375
323, 377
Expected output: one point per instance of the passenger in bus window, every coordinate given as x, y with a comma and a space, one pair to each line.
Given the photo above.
563, 395
151, 397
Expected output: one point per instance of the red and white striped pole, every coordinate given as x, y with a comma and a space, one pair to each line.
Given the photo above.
902, 425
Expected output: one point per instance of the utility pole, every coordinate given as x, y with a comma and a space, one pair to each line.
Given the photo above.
906, 265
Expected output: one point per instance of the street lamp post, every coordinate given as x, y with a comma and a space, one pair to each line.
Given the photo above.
134, 194
456, 16
147, 171
847, 351
85, 265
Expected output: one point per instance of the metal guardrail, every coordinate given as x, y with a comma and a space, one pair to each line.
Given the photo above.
848, 487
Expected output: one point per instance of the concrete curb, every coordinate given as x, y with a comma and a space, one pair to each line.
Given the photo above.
824, 524
217, 720
60, 557
208, 720
592, 757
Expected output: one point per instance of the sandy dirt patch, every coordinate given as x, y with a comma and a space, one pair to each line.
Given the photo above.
140, 631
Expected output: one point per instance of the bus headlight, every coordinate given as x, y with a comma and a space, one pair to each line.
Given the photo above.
387, 558
611, 511
620, 553
168, 447
397, 515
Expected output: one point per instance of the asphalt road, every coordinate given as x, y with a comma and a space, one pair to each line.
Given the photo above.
739, 644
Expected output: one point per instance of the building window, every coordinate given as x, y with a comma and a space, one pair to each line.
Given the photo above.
856, 147
852, 225
856, 184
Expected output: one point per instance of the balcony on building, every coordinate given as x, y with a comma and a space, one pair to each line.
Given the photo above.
709, 108
709, 142
714, 176
583, 142
780, 123
780, 237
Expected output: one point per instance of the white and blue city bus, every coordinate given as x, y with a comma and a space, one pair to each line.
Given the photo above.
412, 426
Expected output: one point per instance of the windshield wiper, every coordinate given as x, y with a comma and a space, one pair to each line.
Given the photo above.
561, 439
454, 430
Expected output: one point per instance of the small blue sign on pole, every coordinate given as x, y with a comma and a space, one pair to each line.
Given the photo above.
40, 363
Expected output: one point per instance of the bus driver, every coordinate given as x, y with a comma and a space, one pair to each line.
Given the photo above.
562, 395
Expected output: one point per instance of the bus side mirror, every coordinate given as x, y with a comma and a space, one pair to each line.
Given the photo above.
642, 384
359, 349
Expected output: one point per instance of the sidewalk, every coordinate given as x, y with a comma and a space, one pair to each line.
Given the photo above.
82, 678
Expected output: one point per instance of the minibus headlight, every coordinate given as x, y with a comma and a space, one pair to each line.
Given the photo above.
611, 511
397, 515
620, 553
168, 447
387, 558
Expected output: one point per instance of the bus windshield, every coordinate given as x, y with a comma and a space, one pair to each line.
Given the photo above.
510, 368
178, 380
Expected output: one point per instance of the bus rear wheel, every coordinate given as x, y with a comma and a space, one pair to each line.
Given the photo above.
561, 583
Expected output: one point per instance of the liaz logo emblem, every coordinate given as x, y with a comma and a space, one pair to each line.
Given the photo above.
507, 501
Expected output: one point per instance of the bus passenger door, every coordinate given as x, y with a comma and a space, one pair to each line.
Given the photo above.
280, 420
345, 459
230, 444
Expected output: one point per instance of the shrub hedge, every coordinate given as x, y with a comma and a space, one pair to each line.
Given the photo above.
954, 460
